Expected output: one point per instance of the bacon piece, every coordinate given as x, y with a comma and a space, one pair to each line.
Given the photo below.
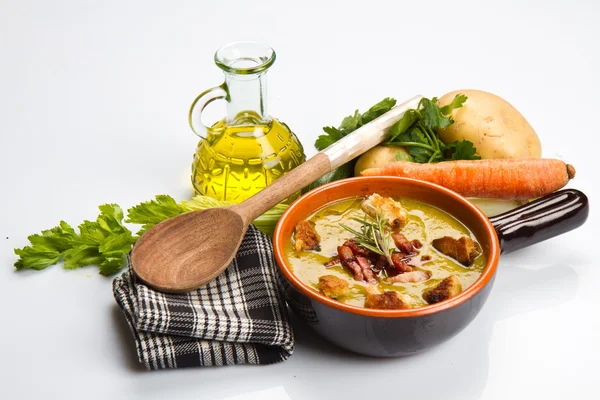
349, 261
418, 263
359, 265
399, 262
366, 270
334, 261
403, 243
380, 264
306, 237
345, 253
411, 277
358, 250
416, 244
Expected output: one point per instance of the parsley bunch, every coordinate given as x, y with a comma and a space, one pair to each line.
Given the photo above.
416, 132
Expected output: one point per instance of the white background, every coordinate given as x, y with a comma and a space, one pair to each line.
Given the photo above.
93, 108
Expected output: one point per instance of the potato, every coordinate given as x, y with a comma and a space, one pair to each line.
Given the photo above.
495, 127
377, 157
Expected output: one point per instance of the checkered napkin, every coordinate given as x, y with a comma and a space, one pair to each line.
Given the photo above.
239, 318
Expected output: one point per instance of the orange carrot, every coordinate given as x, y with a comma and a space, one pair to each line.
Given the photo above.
522, 179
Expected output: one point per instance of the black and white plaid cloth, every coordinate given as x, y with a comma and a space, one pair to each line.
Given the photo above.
239, 318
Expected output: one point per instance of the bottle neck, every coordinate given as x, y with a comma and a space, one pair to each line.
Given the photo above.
247, 95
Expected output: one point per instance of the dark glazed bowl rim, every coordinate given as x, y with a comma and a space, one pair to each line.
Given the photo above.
279, 243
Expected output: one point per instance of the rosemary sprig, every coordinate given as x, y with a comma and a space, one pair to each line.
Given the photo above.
373, 236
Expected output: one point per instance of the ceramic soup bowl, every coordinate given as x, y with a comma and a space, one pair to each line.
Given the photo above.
391, 333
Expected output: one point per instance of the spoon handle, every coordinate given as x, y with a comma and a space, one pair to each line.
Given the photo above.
367, 136
339, 153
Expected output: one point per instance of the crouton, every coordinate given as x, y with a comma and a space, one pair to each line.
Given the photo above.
306, 237
391, 211
463, 250
332, 286
389, 300
444, 290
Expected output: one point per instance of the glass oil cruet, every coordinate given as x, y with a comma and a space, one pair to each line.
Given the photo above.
248, 149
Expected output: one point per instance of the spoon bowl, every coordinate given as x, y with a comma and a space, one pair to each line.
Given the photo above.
189, 250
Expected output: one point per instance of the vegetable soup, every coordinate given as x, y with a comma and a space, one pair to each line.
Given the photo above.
384, 253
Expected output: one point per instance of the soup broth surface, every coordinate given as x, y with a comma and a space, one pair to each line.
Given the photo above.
425, 223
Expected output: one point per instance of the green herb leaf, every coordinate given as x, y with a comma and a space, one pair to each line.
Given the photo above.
81, 256
115, 250
45, 249
113, 265
419, 154
348, 125
407, 120
463, 150
402, 156
432, 115
332, 136
414, 134
57, 238
457, 102
377, 110
351, 122
101, 242
36, 257
152, 212
203, 202
116, 245
95, 243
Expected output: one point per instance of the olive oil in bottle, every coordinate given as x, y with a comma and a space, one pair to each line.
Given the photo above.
238, 159
246, 151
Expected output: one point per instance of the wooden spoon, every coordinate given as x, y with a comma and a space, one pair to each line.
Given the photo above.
188, 251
